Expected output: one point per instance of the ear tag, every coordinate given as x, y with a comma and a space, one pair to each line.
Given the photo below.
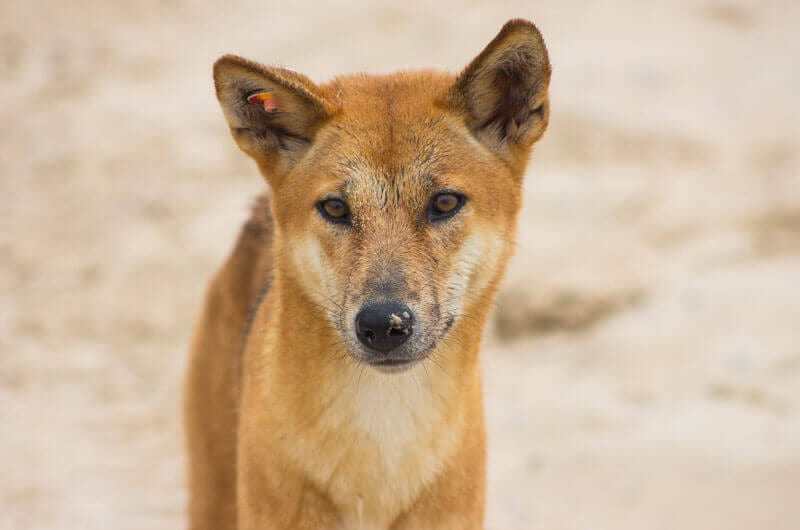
263, 98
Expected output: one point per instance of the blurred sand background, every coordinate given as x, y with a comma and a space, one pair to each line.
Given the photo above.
643, 364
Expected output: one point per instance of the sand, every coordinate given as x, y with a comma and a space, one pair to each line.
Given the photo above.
643, 363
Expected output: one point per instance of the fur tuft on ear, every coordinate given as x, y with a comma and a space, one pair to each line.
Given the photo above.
273, 112
503, 91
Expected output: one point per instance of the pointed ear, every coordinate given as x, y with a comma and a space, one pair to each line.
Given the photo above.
503, 91
273, 113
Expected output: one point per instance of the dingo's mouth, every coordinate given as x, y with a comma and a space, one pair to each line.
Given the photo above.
392, 365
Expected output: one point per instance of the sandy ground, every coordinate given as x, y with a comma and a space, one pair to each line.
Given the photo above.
643, 364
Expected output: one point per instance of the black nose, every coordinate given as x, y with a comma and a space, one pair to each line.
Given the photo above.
384, 327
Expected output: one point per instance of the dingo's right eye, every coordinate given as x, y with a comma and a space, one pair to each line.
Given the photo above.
334, 210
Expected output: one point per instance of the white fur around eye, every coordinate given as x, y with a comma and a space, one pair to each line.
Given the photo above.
313, 270
475, 266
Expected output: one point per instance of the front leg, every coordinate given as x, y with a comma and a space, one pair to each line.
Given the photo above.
273, 497
457, 499
446, 507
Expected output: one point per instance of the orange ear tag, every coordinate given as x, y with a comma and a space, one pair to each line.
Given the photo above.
263, 98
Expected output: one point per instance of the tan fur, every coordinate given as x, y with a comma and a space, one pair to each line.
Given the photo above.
287, 427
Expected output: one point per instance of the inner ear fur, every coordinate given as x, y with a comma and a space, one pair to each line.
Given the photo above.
503, 91
274, 138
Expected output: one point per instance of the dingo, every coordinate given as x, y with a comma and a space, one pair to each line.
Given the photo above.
363, 283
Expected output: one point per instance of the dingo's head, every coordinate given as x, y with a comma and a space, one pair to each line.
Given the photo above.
395, 197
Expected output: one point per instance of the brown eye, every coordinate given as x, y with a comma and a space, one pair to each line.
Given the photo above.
444, 205
334, 210
446, 202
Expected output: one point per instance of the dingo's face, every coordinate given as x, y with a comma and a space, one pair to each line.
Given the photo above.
395, 221
395, 197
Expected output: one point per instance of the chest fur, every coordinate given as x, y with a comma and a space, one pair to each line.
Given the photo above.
380, 440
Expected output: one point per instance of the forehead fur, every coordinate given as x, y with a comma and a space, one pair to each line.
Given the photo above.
391, 130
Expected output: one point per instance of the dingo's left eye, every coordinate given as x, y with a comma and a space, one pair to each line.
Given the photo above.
334, 210
444, 205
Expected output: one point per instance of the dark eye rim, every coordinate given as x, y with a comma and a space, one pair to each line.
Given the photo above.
434, 215
343, 220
